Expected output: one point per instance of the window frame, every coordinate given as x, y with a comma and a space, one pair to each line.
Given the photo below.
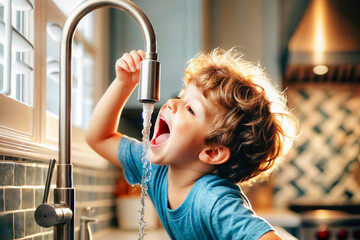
35, 133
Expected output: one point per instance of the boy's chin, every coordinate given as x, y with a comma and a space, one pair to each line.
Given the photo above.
152, 158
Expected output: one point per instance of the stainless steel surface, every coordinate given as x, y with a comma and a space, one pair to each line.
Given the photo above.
149, 81
65, 196
65, 61
48, 180
328, 33
327, 38
85, 230
65, 193
330, 225
47, 215
64, 176
328, 221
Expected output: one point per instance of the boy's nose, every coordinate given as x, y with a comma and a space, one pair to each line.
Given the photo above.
171, 104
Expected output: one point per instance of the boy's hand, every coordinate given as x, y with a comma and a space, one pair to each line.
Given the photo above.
128, 67
102, 134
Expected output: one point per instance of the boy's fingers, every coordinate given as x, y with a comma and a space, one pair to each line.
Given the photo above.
142, 54
122, 65
137, 58
130, 61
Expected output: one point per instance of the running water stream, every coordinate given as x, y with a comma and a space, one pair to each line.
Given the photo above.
148, 109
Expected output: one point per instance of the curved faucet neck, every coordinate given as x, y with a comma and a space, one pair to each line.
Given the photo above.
65, 63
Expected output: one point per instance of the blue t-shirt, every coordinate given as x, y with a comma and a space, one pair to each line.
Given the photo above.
214, 208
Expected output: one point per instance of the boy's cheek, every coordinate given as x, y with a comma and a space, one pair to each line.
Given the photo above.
186, 124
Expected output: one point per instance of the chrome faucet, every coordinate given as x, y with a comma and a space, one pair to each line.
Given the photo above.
85, 232
62, 212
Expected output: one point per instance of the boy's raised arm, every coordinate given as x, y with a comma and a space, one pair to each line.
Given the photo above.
102, 135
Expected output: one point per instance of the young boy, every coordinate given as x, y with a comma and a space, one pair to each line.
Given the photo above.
224, 128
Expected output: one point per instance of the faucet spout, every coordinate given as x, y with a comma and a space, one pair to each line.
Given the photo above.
148, 92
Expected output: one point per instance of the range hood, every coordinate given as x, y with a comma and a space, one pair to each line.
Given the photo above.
325, 46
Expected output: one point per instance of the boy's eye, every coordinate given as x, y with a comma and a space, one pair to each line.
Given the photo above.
188, 108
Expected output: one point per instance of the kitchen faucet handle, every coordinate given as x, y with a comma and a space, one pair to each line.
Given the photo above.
89, 210
48, 215
48, 179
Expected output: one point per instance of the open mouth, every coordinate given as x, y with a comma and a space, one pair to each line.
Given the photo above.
163, 132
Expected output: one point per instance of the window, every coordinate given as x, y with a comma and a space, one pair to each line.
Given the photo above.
29, 104
16, 50
82, 61
16, 71
86, 49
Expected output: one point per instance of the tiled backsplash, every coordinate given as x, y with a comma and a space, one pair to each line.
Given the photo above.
324, 165
21, 191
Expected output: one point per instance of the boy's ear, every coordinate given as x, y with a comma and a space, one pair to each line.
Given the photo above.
215, 155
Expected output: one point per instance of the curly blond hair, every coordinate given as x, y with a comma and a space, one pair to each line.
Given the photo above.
256, 125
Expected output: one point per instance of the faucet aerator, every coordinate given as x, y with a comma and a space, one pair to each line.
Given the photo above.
149, 81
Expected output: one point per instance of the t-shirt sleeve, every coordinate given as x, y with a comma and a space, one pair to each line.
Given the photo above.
130, 154
233, 219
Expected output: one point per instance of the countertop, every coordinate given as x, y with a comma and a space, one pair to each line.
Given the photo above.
282, 218
116, 234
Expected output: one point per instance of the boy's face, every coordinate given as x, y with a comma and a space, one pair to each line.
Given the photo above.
181, 127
